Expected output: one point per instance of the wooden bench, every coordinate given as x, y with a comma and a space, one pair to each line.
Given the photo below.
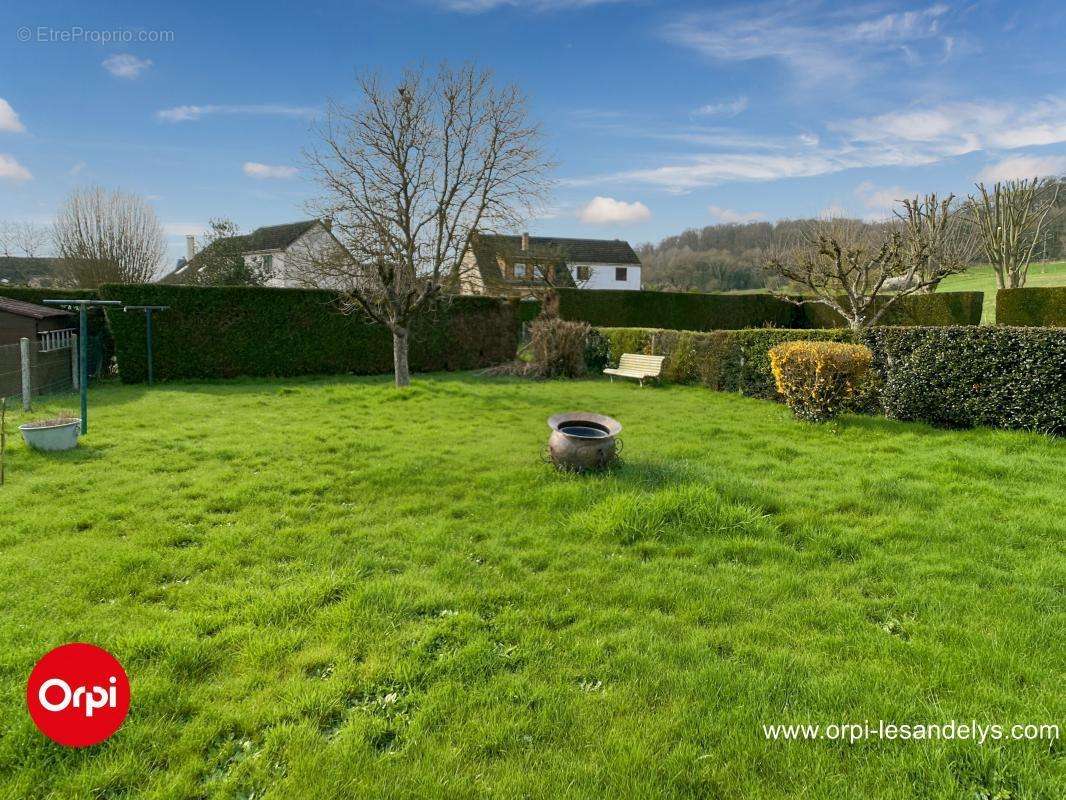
632, 365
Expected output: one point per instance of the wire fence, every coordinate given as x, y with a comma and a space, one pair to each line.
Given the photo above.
51, 366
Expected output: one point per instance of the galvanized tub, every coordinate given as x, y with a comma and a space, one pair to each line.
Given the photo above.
52, 437
581, 441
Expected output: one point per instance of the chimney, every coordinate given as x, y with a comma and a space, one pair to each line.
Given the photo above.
525, 242
190, 247
327, 223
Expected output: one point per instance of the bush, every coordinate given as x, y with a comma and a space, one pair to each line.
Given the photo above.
710, 312
819, 380
674, 310
967, 375
962, 377
1044, 307
222, 332
597, 351
558, 347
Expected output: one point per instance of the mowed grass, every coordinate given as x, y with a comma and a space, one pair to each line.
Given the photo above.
328, 588
983, 279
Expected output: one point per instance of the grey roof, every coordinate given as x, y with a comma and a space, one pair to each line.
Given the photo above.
32, 310
574, 251
271, 237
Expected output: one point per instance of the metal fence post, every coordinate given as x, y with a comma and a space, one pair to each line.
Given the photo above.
74, 360
24, 353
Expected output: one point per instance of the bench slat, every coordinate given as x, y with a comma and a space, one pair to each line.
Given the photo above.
639, 366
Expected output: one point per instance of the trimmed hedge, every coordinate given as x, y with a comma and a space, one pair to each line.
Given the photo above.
223, 332
1038, 306
954, 376
937, 309
708, 312
674, 310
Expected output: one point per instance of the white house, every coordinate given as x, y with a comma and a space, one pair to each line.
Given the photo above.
518, 265
281, 251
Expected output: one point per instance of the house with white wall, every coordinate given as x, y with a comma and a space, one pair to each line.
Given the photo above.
281, 251
520, 265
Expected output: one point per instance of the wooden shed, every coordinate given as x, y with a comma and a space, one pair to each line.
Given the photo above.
19, 319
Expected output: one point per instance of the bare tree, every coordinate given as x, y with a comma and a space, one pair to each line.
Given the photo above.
26, 238
106, 236
407, 176
1011, 221
845, 265
938, 238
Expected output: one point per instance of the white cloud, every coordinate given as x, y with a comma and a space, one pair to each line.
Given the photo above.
126, 65
12, 170
9, 120
810, 139
608, 211
183, 229
817, 43
192, 113
77, 169
727, 108
255, 170
728, 215
880, 200
1019, 167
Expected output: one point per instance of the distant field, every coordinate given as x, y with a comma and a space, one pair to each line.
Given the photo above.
981, 279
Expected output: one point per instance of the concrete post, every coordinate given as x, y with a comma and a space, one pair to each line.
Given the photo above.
74, 360
24, 352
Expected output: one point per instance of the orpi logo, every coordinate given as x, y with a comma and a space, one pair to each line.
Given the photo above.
78, 695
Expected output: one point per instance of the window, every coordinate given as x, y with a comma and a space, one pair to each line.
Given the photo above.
520, 270
621, 273
584, 272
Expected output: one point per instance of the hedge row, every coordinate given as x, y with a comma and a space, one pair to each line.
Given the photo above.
707, 312
951, 376
223, 332
1043, 306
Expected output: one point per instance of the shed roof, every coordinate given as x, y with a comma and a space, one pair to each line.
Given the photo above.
32, 310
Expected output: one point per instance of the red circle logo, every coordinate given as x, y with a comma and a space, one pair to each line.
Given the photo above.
78, 695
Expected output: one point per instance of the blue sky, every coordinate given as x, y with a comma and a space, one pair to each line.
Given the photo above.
661, 115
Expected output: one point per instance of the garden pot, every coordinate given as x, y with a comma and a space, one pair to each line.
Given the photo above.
53, 436
581, 441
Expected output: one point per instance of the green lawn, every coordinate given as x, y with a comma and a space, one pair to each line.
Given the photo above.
982, 279
327, 588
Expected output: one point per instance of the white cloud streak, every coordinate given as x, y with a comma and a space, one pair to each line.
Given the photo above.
727, 108
126, 65
194, 113
728, 215
9, 120
267, 171
482, 6
815, 42
1020, 167
608, 211
12, 170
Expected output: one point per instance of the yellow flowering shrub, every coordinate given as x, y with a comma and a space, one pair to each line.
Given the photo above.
819, 380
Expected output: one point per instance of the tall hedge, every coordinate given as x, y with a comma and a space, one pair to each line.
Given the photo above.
957, 376
222, 332
707, 312
675, 310
1039, 306
939, 308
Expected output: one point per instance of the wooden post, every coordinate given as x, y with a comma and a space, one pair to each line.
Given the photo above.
74, 360
24, 352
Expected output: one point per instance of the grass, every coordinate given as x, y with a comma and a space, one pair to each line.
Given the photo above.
326, 588
982, 279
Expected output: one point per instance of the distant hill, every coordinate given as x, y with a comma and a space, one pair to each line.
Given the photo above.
25, 271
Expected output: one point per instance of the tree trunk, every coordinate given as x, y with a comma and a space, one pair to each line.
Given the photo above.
399, 357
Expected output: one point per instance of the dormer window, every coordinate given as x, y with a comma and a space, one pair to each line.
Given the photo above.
520, 270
